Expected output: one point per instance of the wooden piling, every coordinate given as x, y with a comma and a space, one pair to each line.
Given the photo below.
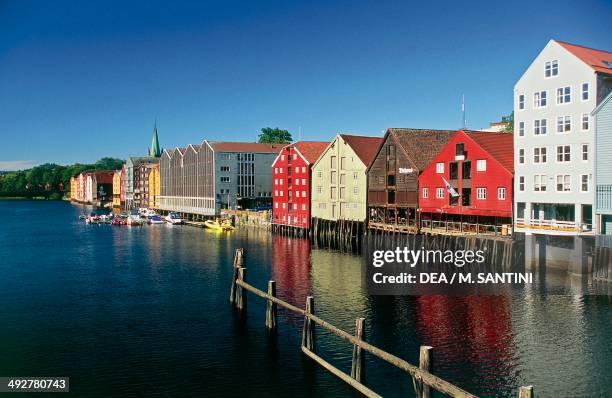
238, 262
423, 390
526, 392
271, 310
240, 293
358, 364
308, 333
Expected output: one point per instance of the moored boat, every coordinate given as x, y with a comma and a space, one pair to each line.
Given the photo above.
217, 225
173, 218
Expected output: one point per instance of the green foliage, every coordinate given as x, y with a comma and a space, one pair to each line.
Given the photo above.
271, 135
49, 180
509, 128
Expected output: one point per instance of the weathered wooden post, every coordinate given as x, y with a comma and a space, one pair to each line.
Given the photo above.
526, 392
238, 262
425, 362
358, 364
271, 310
308, 333
240, 291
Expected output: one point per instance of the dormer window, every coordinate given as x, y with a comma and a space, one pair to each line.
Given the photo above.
551, 68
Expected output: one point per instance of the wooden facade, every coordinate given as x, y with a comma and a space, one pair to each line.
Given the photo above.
478, 168
292, 183
393, 177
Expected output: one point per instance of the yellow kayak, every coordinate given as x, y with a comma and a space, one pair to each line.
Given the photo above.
218, 226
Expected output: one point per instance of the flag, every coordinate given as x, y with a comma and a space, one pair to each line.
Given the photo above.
450, 188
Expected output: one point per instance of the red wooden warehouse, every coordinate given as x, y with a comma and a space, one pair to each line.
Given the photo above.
467, 187
291, 176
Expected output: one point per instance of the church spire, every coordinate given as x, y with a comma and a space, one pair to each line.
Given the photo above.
155, 150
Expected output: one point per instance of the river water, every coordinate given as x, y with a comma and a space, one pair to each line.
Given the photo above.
144, 311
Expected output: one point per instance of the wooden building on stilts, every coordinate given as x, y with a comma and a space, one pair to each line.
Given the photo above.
393, 177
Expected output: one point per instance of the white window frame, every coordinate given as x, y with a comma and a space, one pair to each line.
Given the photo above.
540, 99
539, 182
540, 155
439, 193
501, 193
564, 95
425, 193
521, 156
540, 127
566, 182
585, 123
584, 152
521, 183
521, 129
481, 193
481, 165
521, 102
564, 123
551, 69
584, 90
584, 178
440, 168
566, 152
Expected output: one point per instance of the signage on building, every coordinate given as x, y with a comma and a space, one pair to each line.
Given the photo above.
403, 170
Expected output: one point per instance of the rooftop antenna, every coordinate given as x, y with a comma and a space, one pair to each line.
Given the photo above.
463, 110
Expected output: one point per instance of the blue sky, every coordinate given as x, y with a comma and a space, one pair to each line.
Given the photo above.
83, 80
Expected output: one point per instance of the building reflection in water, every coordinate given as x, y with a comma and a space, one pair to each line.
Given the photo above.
291, 268
474, 330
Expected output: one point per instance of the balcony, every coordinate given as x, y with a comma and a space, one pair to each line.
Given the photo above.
553, 226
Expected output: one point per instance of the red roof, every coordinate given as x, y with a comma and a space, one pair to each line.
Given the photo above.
599, 60
221, 146
311, 150
499, 145
365, 147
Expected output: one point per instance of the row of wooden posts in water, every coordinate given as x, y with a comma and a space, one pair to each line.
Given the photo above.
423, 380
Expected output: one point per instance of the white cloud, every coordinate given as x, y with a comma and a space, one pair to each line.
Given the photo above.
12, 165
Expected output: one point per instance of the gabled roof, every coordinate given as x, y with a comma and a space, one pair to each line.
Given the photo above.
364, 147
602, 104
499, 145
599, 60
420, 145
311, 150
224, 146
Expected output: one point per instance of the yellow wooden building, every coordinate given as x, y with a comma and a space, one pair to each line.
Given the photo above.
154, 189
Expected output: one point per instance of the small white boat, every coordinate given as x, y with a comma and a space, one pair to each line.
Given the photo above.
133, 220
155, 220
173, 218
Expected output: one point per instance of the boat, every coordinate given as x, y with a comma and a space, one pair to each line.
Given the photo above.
173, 218
118, 221
134, 218
217, 225
155, 220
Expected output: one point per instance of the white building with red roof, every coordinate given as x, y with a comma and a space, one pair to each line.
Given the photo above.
554, 138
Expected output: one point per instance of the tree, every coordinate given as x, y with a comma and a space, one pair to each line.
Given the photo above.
270, 135
509, 120
33, 182
109, 164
